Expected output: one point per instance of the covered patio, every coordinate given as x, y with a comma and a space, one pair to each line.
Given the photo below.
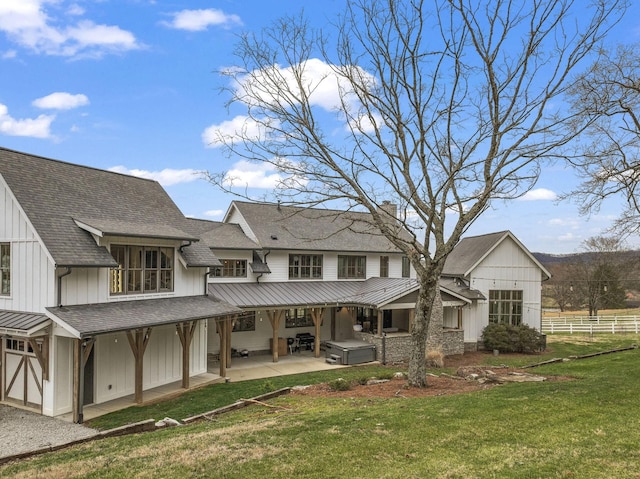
104, 324
241, 369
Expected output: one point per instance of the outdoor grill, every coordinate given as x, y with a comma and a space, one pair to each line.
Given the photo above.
306, 340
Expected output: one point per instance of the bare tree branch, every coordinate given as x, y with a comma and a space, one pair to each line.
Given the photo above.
439, 106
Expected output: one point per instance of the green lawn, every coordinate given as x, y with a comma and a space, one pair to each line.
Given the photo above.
583, 428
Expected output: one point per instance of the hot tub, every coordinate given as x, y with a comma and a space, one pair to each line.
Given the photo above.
350, 351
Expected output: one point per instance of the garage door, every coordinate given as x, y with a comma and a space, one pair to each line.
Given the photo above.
22, 372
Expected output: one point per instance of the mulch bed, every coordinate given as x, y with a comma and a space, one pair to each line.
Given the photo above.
439, 385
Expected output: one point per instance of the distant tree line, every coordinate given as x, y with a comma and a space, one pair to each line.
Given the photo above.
603, 276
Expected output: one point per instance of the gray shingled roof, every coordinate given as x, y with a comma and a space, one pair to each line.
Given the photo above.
473, 249
92, 319
469, 251
53, 193
216, 234
22, 322
460, 289
287, 227
117, 227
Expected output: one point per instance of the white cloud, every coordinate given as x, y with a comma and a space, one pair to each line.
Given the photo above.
230, 130
539, 194
61, 101
214, 213
569, 237
39, 127
39, 25
199, 20
245, 174
166, 177
564, 222
324, 86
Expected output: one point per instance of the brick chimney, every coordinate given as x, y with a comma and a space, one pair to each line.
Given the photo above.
388, 210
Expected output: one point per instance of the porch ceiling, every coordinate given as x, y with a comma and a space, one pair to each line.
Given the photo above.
92, 319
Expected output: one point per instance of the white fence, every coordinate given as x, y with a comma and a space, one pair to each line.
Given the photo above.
591, 324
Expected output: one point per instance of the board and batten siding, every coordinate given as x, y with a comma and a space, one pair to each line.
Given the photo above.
115, 365
278, 262
61, 367
91, 285
507, 267
236, 218
32, 270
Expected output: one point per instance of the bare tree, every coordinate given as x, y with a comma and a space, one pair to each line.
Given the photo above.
598, 273
559, 287
609, 94
439, 106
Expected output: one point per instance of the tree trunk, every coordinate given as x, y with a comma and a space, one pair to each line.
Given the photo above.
419, 333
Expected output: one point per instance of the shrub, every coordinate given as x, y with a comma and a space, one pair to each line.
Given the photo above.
267, 387
385, 375
507, 338
340, 384
435, 359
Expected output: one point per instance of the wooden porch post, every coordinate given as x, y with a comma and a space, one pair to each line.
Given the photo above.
222, 326
316, 316
228, 331
138, 345
380, 315
274, 318
42, 355
77, 367
185, 333
81, 351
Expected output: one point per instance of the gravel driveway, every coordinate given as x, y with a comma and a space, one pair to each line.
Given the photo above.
23, 431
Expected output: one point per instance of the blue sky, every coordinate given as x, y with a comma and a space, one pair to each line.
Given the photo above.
131, 85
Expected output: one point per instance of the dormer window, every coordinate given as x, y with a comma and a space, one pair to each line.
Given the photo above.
142, 269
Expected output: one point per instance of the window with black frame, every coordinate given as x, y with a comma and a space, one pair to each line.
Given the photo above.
245, 322
298, 318
232, 268
305, 266
352, 267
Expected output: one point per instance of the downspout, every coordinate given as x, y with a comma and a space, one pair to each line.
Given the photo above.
183, 246
66, 273
206, 282
265, 262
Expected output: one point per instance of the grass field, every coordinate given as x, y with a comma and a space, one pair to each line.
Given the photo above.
587, 427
